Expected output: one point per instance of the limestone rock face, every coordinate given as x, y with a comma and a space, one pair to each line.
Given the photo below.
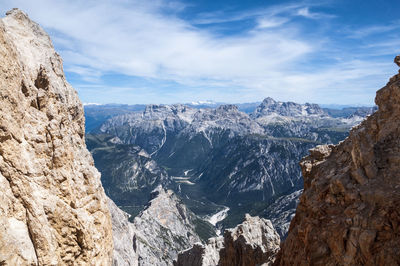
349, 212
163, 229
123, 236
254, 242
53, 209
156, 235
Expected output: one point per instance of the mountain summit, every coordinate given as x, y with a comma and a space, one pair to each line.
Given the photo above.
269, 106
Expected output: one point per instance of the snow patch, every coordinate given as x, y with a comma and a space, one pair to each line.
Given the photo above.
162, 141
219, 216
187, 171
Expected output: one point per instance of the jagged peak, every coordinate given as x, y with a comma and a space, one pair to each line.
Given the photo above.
388, 97
16, 12
23, 19
228, 108
154, 108
271, 107
268, 100
166, 108
33, 44
397, 60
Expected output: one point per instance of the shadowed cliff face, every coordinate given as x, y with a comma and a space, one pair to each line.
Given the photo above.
349, 212
53, 210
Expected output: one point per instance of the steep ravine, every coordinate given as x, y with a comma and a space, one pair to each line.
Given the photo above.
349, 211
53, 210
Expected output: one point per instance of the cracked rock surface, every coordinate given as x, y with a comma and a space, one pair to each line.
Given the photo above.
53, 210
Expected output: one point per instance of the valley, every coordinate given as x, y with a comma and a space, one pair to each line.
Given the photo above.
220, 161
199, 184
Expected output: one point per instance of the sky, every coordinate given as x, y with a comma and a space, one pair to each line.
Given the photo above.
139, 51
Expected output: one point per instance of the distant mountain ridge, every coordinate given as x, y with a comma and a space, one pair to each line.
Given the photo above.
96, 114
270, 106
213, 158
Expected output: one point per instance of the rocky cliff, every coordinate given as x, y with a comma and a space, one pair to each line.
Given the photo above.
349, 211
53, 209
128, 173
254, 242
163, 229
156, 236
124, 237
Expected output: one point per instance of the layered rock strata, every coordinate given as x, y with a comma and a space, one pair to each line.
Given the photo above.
254, 242
53, 210
349, 212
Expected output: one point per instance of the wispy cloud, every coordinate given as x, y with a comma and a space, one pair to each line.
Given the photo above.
305, 12
141, 40
284, 11
185, 60
266, 23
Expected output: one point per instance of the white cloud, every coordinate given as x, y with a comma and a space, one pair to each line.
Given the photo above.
305, 12
148, 39
265, 23
140, 40
371, 30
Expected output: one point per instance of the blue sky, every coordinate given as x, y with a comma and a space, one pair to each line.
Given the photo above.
134, 51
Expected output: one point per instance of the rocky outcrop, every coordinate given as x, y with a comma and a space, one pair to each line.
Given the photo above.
156, 236
53, 209
202, 255
123, 236
349, 212
254, 242
163, 229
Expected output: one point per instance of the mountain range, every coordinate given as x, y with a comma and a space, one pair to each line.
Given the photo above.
96, 114
218, 160
183, 174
